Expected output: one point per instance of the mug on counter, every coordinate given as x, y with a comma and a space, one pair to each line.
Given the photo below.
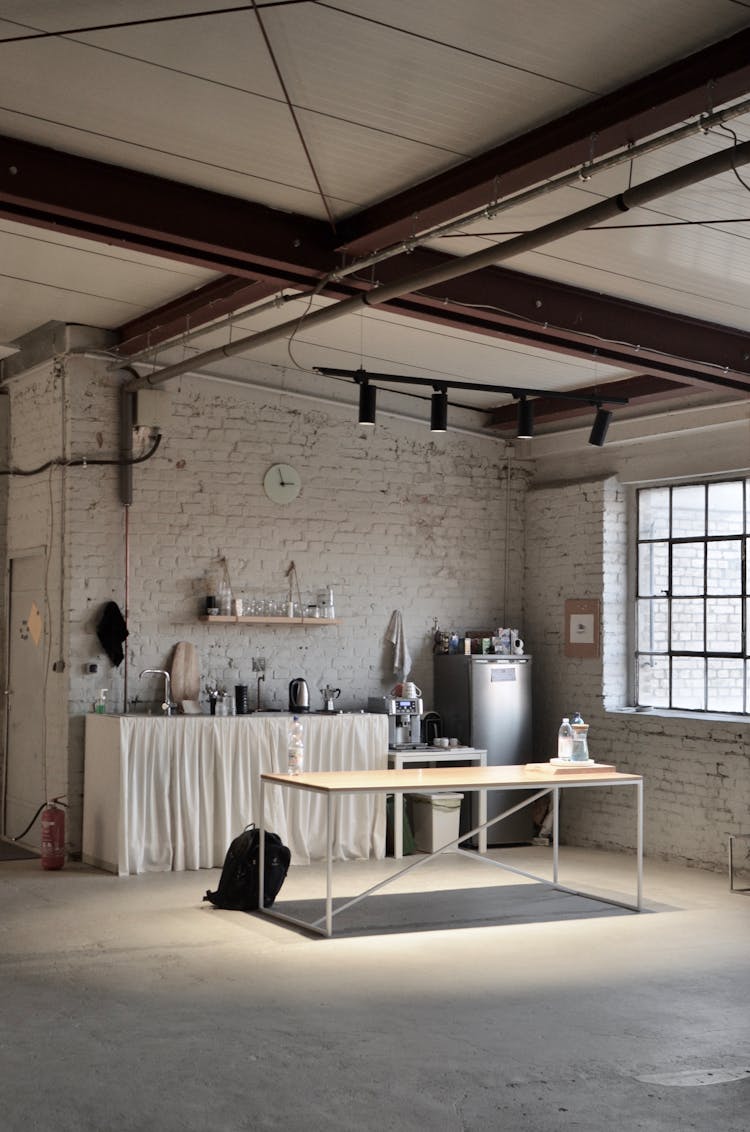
410, 691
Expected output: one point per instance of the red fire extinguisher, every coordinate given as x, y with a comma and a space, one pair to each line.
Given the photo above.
53, 835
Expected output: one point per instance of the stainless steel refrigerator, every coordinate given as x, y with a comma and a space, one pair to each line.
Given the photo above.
485, 701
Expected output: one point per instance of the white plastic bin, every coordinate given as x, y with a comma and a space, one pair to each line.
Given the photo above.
436, 820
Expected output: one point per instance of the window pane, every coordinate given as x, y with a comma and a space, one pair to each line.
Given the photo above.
653, 567
725, 684
724, 624
688, 682
724, 567
687, 568
693, 597
725, 508
653, 626
653, 681
687, 625
688, 511
653, 512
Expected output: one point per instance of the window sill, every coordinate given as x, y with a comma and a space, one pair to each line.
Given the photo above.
673, 713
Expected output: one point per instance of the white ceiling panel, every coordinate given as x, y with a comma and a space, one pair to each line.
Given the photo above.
93, 284
546, 37
422, 89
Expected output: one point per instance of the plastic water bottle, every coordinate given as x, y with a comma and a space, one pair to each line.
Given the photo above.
295, 747
565, 740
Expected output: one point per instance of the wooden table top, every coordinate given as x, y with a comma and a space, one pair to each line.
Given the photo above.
426, 779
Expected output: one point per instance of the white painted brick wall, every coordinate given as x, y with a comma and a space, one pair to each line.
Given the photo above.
697, 786
37, 434
391, 519
394, 518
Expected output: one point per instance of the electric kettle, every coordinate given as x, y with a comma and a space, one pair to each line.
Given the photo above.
299, 695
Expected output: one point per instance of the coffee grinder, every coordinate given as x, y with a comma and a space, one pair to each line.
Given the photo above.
404, 720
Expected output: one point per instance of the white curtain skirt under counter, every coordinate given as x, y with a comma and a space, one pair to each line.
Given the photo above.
183, 788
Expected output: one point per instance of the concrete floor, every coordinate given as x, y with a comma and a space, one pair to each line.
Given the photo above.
128, 1004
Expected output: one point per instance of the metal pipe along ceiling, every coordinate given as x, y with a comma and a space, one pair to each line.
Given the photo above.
673, 181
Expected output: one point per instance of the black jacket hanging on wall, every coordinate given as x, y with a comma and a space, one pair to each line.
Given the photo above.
112, 631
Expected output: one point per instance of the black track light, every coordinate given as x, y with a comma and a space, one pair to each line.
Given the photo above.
525, 429
600, 426
367, 396
439, 412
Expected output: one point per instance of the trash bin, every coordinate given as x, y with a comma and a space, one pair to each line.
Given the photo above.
436, 820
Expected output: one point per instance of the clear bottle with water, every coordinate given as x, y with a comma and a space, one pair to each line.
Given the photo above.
565, 740
295, 750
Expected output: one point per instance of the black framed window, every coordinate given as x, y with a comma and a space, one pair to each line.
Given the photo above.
693, 597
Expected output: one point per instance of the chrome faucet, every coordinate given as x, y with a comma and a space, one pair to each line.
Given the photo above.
168, 706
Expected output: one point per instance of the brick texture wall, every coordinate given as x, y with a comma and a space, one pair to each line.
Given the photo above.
394, 518
697, 787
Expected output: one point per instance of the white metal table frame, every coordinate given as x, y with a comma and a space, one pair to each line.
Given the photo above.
449, 756
397, 782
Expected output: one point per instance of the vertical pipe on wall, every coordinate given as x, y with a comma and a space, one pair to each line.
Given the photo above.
126, 498
506, 572
126, 447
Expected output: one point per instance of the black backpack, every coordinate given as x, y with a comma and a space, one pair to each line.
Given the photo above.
239, 881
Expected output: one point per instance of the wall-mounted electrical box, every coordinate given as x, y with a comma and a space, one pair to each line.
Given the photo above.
151, 408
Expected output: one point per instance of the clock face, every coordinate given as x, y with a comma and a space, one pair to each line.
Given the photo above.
282, 483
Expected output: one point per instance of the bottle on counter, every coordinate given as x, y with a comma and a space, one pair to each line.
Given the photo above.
295, 747
565, 740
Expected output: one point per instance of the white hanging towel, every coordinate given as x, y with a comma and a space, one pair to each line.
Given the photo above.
395, 634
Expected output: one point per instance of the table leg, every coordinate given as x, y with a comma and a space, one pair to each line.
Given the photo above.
398, 816
329, 868
639, 844
482, 811
262, 856
555, 832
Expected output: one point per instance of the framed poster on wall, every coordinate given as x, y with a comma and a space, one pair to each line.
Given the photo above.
582, 627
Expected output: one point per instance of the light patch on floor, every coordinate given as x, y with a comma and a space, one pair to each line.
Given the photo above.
687, 1078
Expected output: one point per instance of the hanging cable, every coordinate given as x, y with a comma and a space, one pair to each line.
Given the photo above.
83, 462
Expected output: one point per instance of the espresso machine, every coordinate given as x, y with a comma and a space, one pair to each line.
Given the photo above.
404, 720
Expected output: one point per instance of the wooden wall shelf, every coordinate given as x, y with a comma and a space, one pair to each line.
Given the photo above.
289, 622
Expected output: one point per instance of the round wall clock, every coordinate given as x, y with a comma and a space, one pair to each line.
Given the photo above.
282, 483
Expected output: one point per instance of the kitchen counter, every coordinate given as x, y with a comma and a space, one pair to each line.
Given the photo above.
171, 793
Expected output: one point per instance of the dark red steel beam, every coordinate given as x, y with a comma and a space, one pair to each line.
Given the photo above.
541, 312
501, 304
639, 391
215, 300
689, 87
124, 208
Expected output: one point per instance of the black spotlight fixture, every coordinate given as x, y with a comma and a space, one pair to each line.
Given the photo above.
600, 426
367, 396
525, 429
439, 410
